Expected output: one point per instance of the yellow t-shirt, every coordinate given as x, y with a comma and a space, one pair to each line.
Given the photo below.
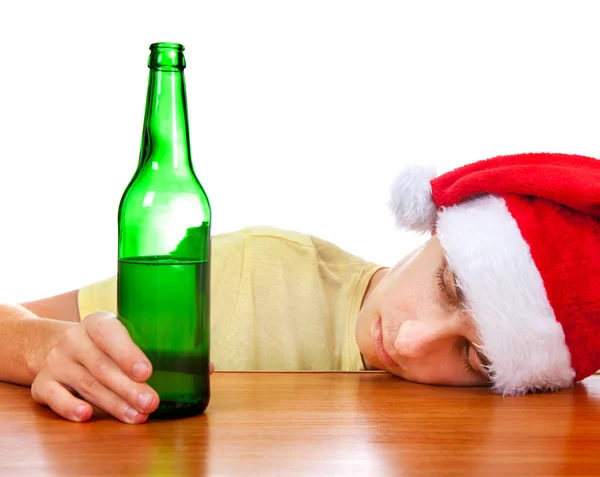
280, 300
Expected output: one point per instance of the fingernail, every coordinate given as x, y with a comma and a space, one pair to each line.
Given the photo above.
131, 414
144, 400
140, 369
80, 411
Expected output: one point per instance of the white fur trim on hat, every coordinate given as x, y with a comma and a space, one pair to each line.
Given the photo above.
411, 202
505, 295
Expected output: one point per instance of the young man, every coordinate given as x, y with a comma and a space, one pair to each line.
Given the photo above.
502, 294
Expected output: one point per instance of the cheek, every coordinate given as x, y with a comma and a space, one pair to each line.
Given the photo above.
409, 298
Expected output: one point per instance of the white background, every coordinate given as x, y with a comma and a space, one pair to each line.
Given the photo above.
301, 113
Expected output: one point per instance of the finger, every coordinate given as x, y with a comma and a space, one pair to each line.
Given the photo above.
211, 368
109, 334
138, 395
61, 401
96, 393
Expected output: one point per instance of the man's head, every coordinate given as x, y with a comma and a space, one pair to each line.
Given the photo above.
505, 291
414, 325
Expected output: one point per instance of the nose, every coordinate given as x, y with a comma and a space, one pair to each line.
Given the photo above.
418, 338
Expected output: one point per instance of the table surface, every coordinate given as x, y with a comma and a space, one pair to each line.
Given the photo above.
321, 424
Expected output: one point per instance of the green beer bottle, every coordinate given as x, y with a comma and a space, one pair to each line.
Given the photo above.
163, 281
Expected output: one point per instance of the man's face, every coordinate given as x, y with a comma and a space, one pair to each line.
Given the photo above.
413, 324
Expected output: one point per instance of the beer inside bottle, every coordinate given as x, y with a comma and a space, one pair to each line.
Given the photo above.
163, 281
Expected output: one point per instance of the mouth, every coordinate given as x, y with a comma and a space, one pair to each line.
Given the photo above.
382, 354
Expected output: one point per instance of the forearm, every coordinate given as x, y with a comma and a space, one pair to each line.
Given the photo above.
25, 339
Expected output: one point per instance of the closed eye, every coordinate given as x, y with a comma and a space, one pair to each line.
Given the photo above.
441, 283
472, 353
467, 359
450, 292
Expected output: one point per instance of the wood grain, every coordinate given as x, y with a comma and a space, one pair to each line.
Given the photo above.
321, 424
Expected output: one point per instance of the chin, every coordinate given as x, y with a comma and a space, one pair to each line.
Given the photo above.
367, 349
374, 363
364, 339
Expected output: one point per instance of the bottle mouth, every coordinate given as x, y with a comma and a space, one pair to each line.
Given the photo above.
166, 56
167, 45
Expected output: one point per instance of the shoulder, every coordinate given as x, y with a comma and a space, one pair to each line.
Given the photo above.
273, 240
260, 238
264, 233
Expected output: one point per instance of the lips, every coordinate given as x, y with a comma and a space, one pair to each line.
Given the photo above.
377, 335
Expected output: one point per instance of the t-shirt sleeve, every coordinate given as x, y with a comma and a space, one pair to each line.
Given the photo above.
99, 296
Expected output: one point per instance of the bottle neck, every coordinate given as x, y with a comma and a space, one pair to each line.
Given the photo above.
165, 137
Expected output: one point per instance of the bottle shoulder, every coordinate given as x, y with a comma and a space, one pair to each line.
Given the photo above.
151, 192
166, 182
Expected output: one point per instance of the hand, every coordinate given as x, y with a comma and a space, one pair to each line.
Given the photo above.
97, 360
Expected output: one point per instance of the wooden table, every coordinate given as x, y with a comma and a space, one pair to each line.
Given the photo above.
321, 424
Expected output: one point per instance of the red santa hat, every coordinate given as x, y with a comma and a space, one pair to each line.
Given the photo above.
522, 235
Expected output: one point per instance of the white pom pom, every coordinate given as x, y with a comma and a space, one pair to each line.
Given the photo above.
411, 202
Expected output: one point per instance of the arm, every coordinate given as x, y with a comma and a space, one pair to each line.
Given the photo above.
25, 340
63, 307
